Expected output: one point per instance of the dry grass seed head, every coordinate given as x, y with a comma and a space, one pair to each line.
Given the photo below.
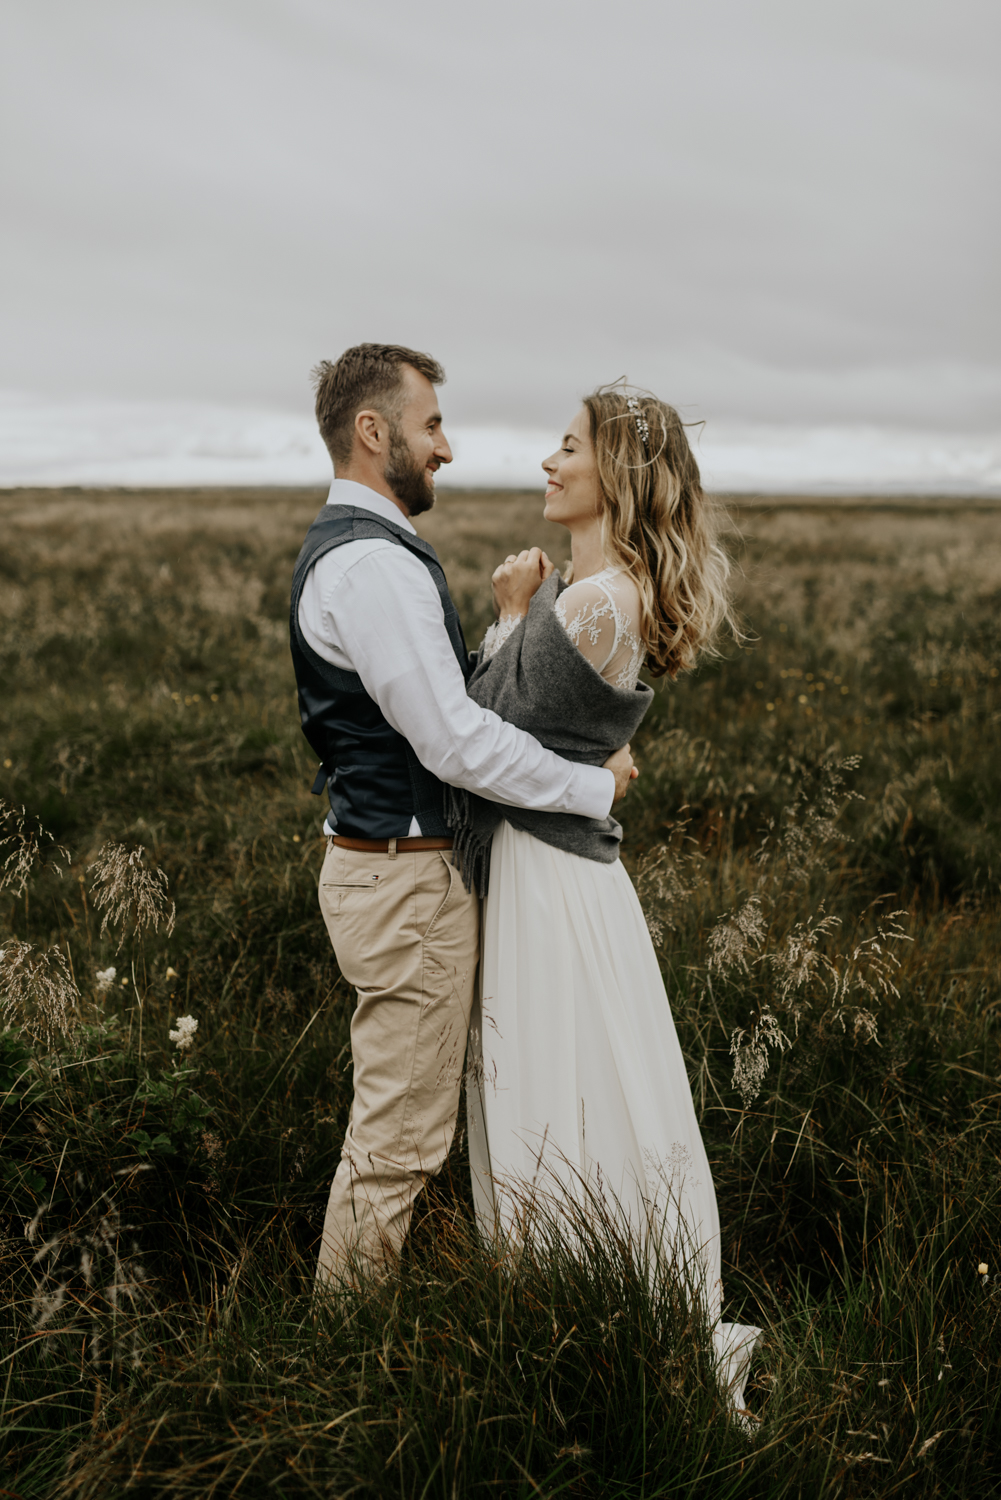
864, 972
868, 968
129, 893
667, 877
735, 936
89, 1278
25, 845
749, 1051
809, 822
798, 959
37, 990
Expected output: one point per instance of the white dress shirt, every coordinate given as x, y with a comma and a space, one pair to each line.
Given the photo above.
371, 607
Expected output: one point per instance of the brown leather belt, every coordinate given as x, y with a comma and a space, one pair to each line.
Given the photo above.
391, 846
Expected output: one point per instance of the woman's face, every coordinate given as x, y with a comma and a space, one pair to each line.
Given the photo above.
573, 494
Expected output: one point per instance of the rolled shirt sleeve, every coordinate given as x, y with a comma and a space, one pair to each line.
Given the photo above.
381, 608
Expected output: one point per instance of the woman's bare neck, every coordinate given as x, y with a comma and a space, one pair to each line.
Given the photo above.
586, 551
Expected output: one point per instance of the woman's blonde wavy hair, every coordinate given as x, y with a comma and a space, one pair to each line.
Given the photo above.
659, 525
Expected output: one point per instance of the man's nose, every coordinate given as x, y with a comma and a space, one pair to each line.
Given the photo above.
442, 451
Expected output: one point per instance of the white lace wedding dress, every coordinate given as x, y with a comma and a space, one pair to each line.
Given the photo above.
578, 1086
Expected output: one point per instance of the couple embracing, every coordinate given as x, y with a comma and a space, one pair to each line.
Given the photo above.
472, 887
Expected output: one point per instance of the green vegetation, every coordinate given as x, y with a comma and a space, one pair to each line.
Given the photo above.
816, 836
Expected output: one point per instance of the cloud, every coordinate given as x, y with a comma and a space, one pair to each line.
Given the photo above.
152, 443
768, 210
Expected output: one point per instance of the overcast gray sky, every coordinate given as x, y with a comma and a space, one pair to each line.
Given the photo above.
776, 209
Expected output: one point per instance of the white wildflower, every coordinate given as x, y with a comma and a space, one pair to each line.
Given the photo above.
105, 978
184, 1036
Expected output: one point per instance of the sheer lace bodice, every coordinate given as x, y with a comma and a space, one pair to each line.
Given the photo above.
601, 616
497, 634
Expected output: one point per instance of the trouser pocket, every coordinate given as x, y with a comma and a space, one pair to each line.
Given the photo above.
435, 893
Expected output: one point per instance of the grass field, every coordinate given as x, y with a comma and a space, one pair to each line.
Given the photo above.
816, 836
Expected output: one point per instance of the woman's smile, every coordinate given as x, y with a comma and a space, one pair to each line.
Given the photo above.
572, 477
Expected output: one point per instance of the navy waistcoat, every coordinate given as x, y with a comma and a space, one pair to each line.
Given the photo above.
375, 783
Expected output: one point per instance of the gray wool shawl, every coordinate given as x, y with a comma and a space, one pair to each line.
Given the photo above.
539, 681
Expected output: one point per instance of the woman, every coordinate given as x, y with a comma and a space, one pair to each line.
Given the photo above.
578, 1087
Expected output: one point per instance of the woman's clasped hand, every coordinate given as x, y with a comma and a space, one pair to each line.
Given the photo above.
517, 580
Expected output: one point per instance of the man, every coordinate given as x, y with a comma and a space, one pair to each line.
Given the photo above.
380, 664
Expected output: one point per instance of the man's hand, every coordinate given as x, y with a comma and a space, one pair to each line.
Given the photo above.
517, 580
622, 768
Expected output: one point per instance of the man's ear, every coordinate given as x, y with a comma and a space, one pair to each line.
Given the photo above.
370, 429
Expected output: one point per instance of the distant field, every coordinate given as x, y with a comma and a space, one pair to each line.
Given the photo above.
820, 809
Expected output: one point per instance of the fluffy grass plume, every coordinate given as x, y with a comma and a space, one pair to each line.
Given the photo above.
816, 838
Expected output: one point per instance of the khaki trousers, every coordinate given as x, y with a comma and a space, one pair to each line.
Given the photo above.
405, 932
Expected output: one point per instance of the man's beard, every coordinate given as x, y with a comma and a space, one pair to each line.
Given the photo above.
408, 480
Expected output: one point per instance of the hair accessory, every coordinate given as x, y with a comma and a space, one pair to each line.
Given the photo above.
642, 425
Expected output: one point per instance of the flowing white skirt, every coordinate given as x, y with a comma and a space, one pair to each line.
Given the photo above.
578, 1087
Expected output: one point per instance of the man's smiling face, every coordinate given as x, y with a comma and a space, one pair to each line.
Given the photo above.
417, 444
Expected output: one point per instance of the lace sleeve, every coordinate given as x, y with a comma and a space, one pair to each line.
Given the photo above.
497, 634
585, 612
